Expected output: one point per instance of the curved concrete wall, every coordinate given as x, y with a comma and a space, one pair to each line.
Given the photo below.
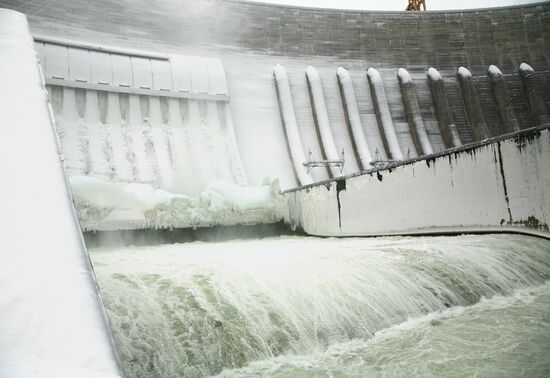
250, 39
494, 186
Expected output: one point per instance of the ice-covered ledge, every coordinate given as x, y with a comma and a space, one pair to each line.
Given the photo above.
52, 321
496, 185
109, 206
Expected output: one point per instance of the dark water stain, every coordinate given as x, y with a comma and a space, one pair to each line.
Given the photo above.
340, 185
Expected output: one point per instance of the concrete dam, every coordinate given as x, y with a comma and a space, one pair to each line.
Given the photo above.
186, 97
203, 114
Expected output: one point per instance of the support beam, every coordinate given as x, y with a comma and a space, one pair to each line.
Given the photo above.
353, 120
472, 104
414, 116
443, 110
288, 117
537, 106
383, 115
320, 115
505, 109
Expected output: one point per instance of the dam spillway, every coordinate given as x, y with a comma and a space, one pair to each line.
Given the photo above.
222, 113
238, 61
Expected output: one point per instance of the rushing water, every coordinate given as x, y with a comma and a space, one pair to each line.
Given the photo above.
295, 306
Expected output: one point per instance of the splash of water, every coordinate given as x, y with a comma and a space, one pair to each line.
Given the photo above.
205, 308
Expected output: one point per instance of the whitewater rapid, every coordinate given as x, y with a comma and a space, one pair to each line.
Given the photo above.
297, 306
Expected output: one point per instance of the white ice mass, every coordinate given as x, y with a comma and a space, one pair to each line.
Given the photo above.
106, 206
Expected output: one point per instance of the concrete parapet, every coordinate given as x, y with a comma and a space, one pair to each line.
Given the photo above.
479, 187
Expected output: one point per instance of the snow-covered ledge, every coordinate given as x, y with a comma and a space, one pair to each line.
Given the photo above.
52, 321
497, 185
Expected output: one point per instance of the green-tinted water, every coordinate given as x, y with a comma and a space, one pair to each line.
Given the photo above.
440, 306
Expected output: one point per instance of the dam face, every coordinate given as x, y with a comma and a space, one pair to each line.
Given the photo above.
241, 43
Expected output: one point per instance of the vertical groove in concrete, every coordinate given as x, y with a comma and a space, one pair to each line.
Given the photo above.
537, 106
472, 104
443, 110
353, 119
505, 109
383, 115
288, 118
320, 116
413, 113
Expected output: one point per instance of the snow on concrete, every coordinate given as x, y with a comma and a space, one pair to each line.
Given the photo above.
52, 320
404, 76
464, 72
106, 206
383, 113
434, 74
289, 123
354, 119
525, 67
494, 71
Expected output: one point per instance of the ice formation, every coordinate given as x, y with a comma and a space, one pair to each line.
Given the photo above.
109, 206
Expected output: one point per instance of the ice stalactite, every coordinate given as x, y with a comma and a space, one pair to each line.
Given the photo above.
351, 111
135, 129
445, 117
122, 169
414, 115
232, 148
537, 106
83, 132
160, 142
505, 110
219, 153
148, 142
96, 136
320, 115
126, 132
167, 128
383, 115
189, 114
288, 117
472, 104
105, 131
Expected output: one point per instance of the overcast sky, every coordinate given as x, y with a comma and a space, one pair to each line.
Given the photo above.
398, 4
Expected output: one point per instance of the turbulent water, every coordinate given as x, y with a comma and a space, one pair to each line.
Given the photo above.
300, 307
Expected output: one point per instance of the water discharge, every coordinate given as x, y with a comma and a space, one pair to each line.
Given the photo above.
295, 306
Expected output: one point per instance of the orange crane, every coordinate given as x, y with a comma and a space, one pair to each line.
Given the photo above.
416, 5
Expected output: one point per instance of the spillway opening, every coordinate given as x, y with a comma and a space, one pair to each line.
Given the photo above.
306, 306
